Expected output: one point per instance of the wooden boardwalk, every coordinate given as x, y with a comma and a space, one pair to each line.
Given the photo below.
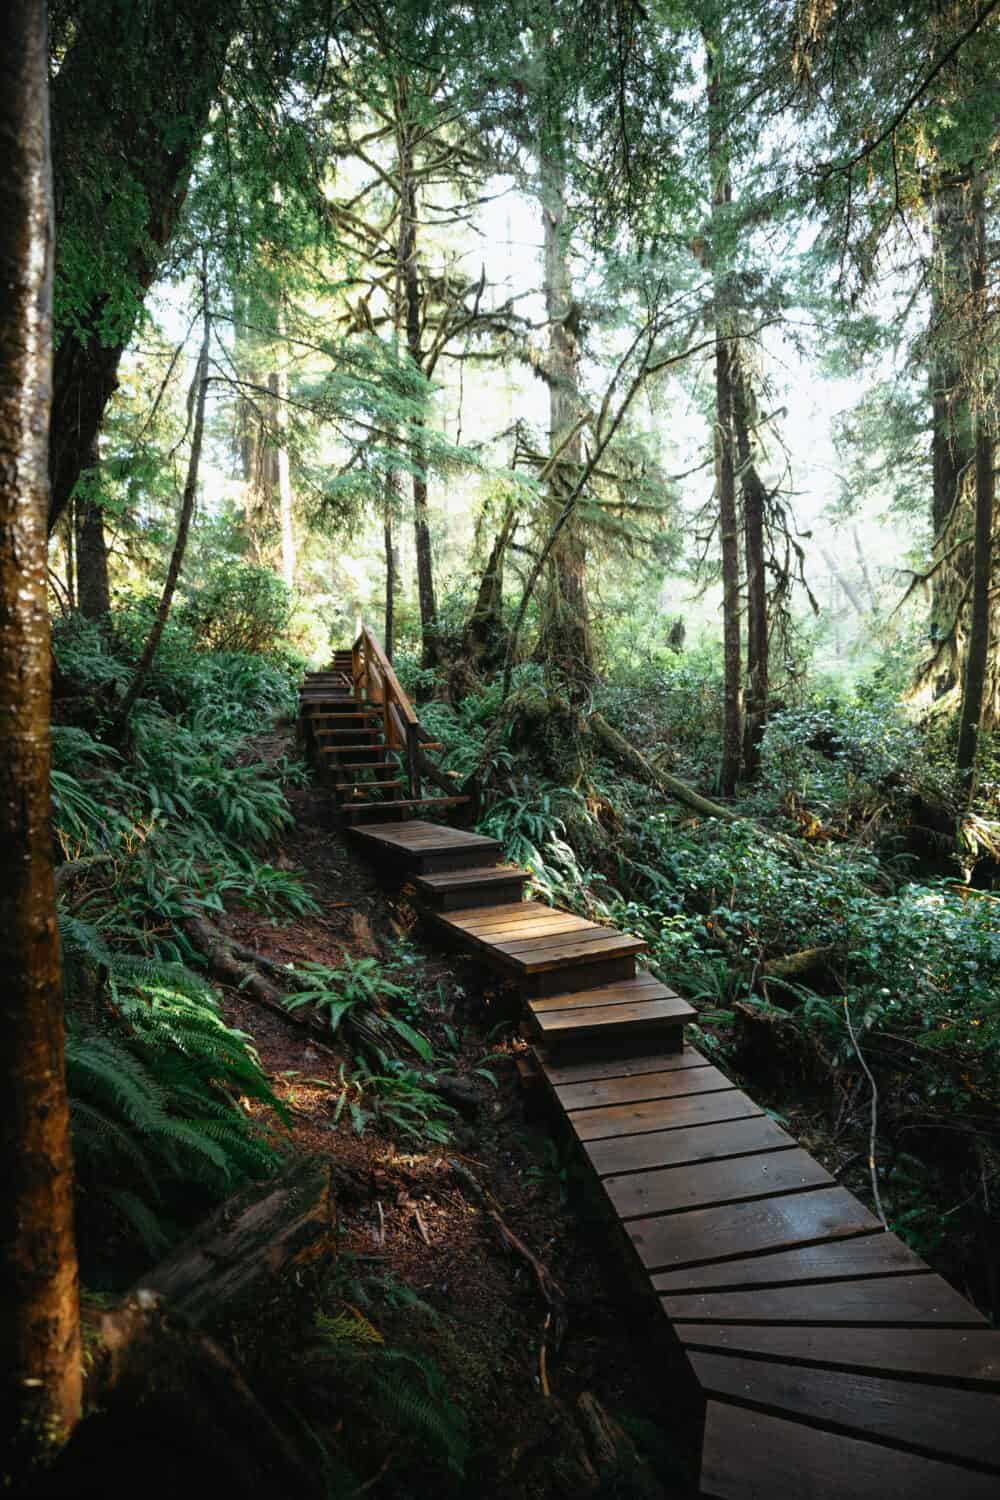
829, 1360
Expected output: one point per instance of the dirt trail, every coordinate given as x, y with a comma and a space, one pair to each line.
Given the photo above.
408, 1219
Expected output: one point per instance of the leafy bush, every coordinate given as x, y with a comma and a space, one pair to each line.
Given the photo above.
239, 608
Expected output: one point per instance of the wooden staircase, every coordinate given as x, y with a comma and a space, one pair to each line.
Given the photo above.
362, 733
820, 1357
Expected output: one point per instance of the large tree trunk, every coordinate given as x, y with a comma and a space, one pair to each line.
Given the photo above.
726, 371
284, 468
92, 590
258, 458
121, 58
566, 638
183, 525
410, 278
952, 439
754, 506
978, 651
39, 1311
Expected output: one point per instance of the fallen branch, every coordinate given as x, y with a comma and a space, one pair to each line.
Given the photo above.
671, 786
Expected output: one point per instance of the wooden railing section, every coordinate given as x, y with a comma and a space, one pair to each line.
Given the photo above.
376, 684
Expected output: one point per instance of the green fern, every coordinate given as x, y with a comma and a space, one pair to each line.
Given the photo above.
156, 1079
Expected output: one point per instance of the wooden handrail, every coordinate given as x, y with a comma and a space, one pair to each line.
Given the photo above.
376, 683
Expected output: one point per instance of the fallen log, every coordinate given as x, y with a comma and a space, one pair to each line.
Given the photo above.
163, 1395
268, 1229
671, 786
799, 965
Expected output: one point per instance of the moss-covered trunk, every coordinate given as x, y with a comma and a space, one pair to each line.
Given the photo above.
39, 1311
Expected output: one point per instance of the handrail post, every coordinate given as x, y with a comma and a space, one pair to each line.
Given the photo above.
412, 764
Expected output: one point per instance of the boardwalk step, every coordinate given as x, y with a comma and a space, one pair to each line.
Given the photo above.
483, 885
530, 938
365, 786
354, 809
419, 847
631, 1007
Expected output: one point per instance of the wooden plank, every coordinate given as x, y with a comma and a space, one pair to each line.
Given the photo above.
622, 1017
749, 1455
626, 992
539, 960
969, 1355
622, 1067
874, 1255
676, 1148
522, 927
942, 1421
598, 1092
739, 1229
480, 919
662, 1114
485, 875
538, 942
886, 1300
423, 837
739, 1179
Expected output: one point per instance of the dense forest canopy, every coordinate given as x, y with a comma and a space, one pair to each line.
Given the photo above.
630, 371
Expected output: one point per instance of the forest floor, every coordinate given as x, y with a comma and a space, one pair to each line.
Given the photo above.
408, 1229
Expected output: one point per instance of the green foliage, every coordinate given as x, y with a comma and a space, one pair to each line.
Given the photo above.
395, 1097
356, 999
159, 1089
238, 608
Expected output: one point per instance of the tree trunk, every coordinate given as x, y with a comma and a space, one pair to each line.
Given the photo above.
39, 1293
92, 591
183, 526
483, 642
754, 505
120, 59
410, 277
257, 455
978, 649
566, 639
725, 477
953, 439
284, 469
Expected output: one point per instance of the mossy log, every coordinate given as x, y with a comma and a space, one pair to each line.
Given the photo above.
628, 756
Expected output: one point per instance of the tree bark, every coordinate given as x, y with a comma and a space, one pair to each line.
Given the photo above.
566, 637
754, 506
39, 1292
120, 59
410, 277
978, 649
483, 640
184, 524
284, 468
952, 435
92, 589
725, 476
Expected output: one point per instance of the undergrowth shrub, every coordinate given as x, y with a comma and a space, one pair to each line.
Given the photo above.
160, 1088
239, 607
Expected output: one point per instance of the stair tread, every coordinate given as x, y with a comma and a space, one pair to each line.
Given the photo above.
365, 786
421, 802
478, 875
608, 1018
643, 988
367, 765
